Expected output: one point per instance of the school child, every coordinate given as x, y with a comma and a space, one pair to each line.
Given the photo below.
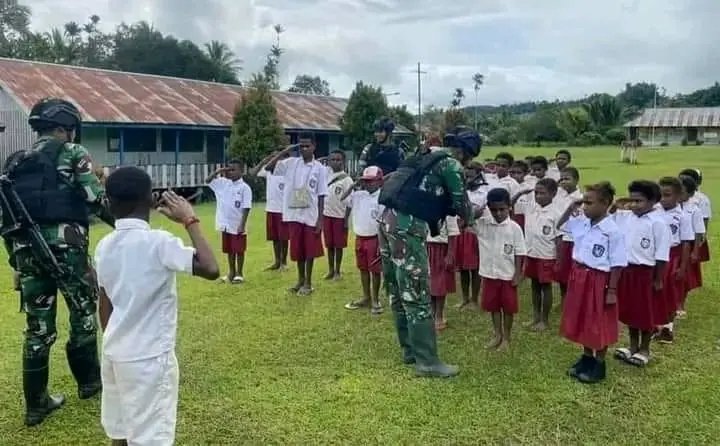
562, 160
519, 171
441, 260
539, 167
503, 161
335, 227
502, 246
304, 195
365, 211
276, 230
541, 217
569, 179
590, 314
681, 239
693, 278
647, 240
234, 201
466, 251
136, 268
703, 203
490, 171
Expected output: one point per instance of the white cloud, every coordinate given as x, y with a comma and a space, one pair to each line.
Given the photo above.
527, 49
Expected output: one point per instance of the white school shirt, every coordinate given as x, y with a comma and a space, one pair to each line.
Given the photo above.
523, 200
299, 174
334, 207
136, 267
679, 224
647, 237
232, 197
274, 189
498, 244
553, 172
449, 228
541, 230
600, 246
696, 218
509, 184
703, 202
365, 212
564, 202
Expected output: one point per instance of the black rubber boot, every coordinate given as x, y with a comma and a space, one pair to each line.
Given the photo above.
401, 324
38, 404
423, 341
85, 367
580, 366
594, 373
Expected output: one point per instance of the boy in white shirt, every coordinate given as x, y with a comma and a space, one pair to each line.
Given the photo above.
276, 230
234, 200
365, 211
303, 207
335, 225
136, 269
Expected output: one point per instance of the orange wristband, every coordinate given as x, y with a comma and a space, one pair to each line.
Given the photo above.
191, 221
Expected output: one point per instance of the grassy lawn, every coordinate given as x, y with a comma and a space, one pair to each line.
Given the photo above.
259, 366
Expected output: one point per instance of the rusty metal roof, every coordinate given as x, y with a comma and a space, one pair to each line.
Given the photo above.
105, 96
678, 117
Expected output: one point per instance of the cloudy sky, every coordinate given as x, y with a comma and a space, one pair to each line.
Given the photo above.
527, 49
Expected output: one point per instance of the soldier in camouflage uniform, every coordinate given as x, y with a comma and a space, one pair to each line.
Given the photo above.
405, 261
63, 217
383, 153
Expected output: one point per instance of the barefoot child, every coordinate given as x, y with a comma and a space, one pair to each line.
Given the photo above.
519, 171
335, 225
466, 250
589, 315
681, 240
693, 278
647, 240
502, 247
304, 195
365, 211
441, 260
541, 217
136, 268
234, 201
569, 179
276, 230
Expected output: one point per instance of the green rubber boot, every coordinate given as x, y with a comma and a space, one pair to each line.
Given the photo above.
424, 344
401, 324
38, 404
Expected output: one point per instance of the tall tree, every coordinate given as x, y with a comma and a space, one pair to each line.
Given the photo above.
455, 116
366, 104
304, 83
256, 129
271, 70
574, 122
224, 62
640, 95
478, 81
402, 116
604, 111
14, 24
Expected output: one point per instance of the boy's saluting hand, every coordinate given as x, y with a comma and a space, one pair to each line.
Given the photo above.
175, 207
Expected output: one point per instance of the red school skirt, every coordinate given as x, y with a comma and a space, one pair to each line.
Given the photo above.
636, 297
586, 318
442, 278
564, 262
542, 270
520, 220
667, 301
693, 278
704, 252
467, 252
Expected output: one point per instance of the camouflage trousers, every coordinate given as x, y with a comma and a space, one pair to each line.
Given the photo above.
406, 280
39, 302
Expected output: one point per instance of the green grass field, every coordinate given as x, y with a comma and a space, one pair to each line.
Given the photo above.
259, 366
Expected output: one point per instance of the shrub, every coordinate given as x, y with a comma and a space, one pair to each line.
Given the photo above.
684, 142
699, 142
615, 136
664, 144
505, 136
589, 139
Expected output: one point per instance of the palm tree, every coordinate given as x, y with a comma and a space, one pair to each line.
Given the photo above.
14, 22
458, 97
224, 60
478, 80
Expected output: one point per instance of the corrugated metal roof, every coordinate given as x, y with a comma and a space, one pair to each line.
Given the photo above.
678, 117
105, 96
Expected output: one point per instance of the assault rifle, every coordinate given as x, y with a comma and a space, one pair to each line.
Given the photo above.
19, 225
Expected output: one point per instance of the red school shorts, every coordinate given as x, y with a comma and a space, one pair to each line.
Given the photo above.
542, 270
499, 296
275, 228
367, 254
234, 243
334, 232
305, 243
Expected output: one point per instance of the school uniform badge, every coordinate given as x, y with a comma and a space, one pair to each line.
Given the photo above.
313, 183
338, 190
546, 230
674, 228
281, 186
645, 243
508, 249
598, 250
238, 203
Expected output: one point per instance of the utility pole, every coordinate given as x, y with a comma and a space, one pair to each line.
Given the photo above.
419, 98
